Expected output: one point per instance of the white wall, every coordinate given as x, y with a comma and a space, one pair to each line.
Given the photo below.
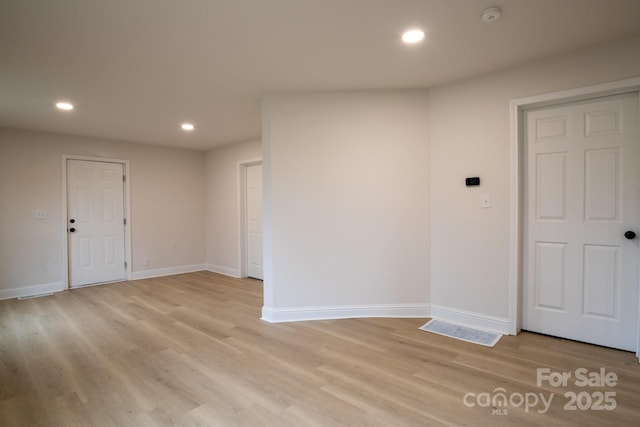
222, 192
167, 206
346, 204
337, 231
469, 136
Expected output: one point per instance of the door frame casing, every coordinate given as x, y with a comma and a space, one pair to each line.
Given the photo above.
127, 212
516, 141
243, 256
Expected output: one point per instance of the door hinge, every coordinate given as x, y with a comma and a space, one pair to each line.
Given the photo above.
125, 265
125, 221
124, 178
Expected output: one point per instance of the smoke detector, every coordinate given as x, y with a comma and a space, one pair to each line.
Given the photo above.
492, 14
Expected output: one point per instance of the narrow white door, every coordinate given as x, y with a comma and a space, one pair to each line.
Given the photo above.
95, 223
254, 221
583, 195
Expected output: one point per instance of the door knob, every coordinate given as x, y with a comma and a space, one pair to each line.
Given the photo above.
630, 235
72, 230
72, 220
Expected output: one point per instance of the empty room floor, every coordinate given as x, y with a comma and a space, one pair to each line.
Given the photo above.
191, 350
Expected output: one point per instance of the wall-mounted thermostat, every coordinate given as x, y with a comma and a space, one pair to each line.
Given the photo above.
473, 181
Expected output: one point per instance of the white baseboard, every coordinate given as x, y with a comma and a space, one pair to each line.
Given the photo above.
169, 271
30, 291
480, 321
294, 314
233, 272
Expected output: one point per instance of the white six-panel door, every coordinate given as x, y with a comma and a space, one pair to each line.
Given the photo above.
95, 223
582, 195
254, 221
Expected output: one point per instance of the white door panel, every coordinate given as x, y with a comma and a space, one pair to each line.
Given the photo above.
582, 194
95, 222
254, 221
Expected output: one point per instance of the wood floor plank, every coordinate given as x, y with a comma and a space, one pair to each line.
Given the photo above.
191, 350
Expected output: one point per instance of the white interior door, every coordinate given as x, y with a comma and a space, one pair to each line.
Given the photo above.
582, 195
254, 221
95, 223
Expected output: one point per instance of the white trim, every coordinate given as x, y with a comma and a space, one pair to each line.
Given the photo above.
30, 291
471, 319
168, 271
515, 226
127, 212
295, 314
242, 214
516, 108
227, 271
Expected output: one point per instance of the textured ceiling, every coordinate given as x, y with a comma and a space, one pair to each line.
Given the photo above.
136, 69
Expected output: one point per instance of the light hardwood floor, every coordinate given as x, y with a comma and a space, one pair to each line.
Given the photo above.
191, 350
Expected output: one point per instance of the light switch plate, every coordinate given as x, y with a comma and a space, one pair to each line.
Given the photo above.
40, 214
485, 200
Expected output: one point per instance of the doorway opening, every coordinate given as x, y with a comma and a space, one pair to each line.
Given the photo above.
250, 218
517, 225
96, 229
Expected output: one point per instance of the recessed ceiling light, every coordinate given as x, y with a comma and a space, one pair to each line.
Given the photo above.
413, 36
64, 106
187, 126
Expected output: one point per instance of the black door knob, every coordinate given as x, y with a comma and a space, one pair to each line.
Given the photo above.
72, 230
630, 235
72, 220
